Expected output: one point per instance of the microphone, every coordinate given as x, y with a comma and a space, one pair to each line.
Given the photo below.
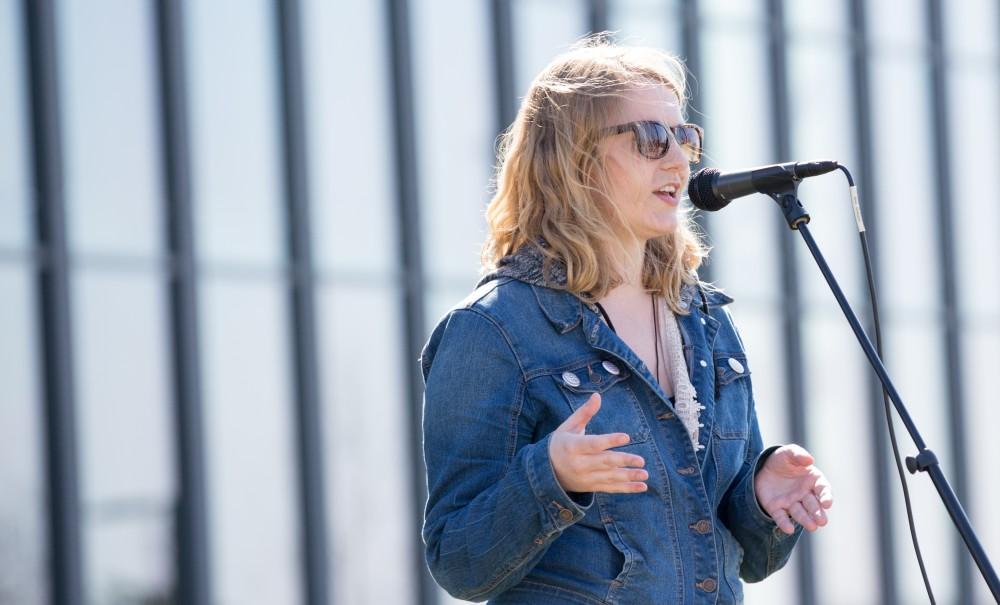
712, 190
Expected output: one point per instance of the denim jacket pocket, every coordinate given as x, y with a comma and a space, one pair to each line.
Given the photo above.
732, 396
620, 411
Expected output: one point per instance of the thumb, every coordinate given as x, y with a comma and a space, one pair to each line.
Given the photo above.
799, 455
578, 420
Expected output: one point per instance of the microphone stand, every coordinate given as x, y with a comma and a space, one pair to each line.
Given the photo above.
786, 195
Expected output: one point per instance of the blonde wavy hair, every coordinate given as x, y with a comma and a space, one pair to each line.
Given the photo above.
550, 180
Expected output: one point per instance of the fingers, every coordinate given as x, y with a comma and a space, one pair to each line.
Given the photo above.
798, 512
824, 493
593, 444
782, 520
621, 481
815, 510
577, 421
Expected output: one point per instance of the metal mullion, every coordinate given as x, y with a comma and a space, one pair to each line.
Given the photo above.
411, 260
503, 63
303, 319
888, 581
949, 287
192, 558
691, 51
791, 297
597, 15
63, 480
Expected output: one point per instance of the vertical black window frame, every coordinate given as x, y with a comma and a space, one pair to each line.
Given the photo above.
411, 263
787, 251
24, 543
910, 279
942, 146
884, 478
502, 24
303, 321
972, 52
192, 536
67, 586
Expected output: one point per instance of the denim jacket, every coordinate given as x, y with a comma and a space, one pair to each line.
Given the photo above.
506, 367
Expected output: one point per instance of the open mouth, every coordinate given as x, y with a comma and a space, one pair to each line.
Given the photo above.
669, 194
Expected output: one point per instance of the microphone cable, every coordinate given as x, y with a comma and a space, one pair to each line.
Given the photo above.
885, 394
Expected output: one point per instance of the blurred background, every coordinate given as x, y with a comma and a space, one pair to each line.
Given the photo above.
227, 227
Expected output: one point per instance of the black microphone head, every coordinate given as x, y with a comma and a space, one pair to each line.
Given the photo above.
701, 193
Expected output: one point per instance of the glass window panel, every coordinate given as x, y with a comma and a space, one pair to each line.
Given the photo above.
111, 126
727, 10
743, 260
893, 23
23, 552
234, 131
829, 17
542, 30
905, 186
365, 414
130, 557
14, 149
916, 364
351, 137
123, 390
975, 126
837, 412
253, 516
822, 126
125, 427
981, 350
456, 132
970, 26
647, 23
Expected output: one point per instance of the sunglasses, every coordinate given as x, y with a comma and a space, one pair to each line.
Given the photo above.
652, 139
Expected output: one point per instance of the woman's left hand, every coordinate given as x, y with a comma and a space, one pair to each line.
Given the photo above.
788, 485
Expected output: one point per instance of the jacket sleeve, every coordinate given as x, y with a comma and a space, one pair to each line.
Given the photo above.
766, 548
494, 504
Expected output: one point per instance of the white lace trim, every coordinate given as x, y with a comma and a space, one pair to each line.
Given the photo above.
685, 397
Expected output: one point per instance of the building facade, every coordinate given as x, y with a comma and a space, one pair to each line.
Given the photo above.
227, 226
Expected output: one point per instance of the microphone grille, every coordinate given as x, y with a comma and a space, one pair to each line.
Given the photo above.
700, 190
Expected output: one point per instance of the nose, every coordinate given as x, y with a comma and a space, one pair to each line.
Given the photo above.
676, 158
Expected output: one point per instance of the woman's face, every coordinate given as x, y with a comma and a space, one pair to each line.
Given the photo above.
646, 192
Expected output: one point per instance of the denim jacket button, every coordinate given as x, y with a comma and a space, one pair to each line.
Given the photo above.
702, 527
736, 365
703, 363
571, 379
611, 368
708, 585
566, 514
687, 470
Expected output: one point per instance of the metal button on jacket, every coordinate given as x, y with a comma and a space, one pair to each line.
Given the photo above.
736, 365
571, 379
566, 514
708, 585
703, 363
702, 527
611, 368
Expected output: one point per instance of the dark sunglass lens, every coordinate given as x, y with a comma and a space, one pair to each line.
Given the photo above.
689, 138
652, 139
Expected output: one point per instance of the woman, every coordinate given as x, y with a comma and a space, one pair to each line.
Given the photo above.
589, 425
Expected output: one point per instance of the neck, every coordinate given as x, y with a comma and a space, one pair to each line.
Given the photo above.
631, 287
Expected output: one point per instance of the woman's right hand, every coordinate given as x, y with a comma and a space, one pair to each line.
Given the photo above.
582, 462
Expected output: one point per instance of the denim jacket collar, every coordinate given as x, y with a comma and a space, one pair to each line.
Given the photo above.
564, 309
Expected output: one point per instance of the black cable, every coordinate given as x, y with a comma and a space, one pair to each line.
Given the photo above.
885, 395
